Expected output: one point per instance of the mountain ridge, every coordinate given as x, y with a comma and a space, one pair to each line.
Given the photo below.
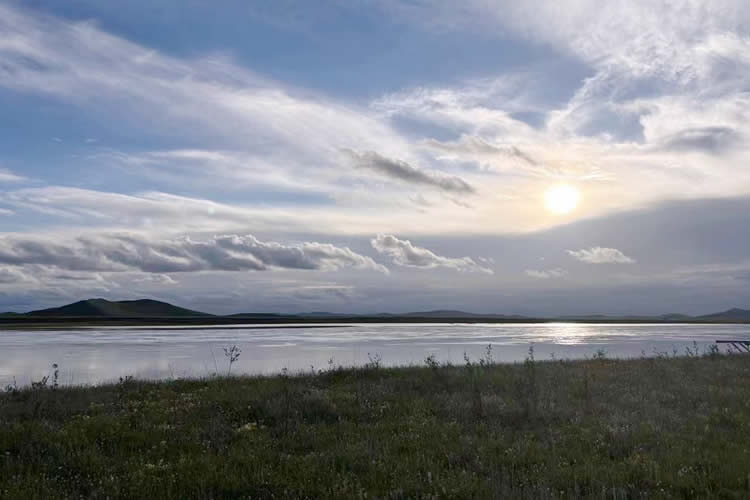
149, 308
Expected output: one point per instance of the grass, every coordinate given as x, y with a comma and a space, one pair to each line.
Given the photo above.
647, 428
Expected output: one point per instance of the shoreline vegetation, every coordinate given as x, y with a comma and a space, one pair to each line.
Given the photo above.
655, 427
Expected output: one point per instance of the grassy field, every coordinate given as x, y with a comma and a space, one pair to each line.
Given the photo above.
649, 428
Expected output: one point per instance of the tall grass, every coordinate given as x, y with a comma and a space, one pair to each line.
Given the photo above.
599, 428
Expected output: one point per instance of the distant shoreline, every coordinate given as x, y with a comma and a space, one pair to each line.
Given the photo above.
219, 322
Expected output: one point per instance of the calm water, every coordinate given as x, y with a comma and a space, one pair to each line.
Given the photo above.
92, 355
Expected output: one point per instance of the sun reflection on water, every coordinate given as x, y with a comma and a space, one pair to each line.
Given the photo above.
569, 333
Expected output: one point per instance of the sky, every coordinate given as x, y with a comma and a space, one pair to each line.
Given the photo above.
538, 158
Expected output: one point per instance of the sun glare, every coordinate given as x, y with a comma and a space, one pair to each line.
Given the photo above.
562, 199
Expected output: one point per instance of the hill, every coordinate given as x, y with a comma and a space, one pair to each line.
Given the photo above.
143, 308
130, 310
734, 314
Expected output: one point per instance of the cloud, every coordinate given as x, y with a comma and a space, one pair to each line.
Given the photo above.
712, 140
77, 277
157, 279
403, 253
8, 176
402, 171
132, 252
279, 132
481, 148
601, 255
323, 292
10, 276
642, 35
149, 209
546, 274
614, 108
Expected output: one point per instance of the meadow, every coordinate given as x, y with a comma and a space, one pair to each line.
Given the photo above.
658, 427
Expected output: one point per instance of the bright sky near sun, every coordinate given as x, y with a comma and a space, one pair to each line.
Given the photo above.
536, 157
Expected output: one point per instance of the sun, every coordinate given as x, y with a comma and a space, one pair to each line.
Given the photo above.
561, 199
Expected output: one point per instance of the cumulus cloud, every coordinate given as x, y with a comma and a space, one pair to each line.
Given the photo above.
404, 253
131, 252
402, 171
601, 255
546, 274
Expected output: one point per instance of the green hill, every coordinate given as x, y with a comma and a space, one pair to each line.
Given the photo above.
143, 308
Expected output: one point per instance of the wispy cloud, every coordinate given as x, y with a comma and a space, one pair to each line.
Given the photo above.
601, 255
8, 176
546, 274
402, 171
404, 253
477, 146
272, 124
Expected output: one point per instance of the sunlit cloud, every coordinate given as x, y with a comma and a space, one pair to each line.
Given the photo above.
601, 255
404, 253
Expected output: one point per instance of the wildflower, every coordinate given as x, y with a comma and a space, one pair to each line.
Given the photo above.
248, 427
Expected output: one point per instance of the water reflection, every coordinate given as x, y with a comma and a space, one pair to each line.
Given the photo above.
570, 333
91, 355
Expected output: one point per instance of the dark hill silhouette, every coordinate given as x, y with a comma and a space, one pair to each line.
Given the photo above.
143, 308
102, 310
734, 314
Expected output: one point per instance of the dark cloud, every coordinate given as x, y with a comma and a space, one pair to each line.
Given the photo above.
400, 170
137, 253
714, 140
479, 147
403, 253
76, 277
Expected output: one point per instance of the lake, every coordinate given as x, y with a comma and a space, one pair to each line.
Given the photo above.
99, 354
